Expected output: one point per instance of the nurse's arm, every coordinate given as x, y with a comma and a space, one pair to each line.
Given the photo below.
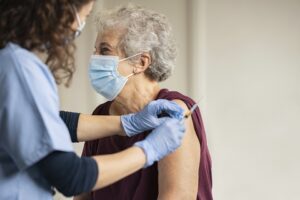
83, 127
72, 175
114, 167
91, 127
178, 172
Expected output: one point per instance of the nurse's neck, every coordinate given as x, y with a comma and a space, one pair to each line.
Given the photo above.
136, 94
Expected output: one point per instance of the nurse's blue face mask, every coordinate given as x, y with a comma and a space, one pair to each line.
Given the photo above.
104, 75
79, 23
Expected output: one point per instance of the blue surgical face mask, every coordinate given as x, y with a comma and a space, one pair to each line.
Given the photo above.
104, 75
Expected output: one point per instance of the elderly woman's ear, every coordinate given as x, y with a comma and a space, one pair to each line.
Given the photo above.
143, 64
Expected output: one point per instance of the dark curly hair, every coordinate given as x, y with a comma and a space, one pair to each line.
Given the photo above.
43, 26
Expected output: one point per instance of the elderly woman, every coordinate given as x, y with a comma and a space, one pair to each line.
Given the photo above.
134, 51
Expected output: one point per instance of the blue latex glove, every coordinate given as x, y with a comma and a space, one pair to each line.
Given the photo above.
148, 119
162, 141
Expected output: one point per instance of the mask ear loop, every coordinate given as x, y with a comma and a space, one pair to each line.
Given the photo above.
123, 59
76, 15
133, 72
130, 75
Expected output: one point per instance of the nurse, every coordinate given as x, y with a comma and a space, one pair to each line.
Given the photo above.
36, 52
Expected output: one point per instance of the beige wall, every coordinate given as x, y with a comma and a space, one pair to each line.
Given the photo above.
253, 93
241, 58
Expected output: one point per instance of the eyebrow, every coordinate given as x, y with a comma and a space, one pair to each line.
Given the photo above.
105, 44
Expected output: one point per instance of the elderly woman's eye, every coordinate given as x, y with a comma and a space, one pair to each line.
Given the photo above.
104, 51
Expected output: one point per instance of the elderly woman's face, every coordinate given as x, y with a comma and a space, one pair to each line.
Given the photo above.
107, 45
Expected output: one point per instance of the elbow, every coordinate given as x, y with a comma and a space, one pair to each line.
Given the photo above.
67, 191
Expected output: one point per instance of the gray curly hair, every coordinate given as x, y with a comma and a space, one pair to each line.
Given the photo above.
145, 31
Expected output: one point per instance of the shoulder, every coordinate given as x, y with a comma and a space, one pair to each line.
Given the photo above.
183, 100
24, 77
23, 66
18, 56
182, 104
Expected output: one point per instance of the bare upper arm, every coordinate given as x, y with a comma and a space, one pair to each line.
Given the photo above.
178, 172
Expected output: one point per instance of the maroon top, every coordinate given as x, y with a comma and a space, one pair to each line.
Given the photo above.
143, 184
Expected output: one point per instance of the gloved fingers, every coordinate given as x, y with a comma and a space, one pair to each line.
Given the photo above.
182, 125
161, 120
178, 124
170, 108
174, 123
173, 114
182, 128
163, 140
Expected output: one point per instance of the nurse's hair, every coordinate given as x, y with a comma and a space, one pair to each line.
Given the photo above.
45, 27
144, 31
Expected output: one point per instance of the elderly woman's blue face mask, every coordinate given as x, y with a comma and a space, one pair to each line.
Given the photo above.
104, 75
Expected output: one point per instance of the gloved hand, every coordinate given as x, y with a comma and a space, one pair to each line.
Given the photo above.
162, 141
148, 119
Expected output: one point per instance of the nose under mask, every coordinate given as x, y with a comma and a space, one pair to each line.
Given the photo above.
104, 75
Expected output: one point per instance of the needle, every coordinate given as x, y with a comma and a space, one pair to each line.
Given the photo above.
189, 113
193, 108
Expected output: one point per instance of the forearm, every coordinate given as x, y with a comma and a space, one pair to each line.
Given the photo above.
116, 166
72, 175
91, 127
84, 127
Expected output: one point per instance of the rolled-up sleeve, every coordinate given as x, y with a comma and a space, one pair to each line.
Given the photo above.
30, 124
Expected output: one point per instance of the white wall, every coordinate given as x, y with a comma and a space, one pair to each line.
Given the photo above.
240, 57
